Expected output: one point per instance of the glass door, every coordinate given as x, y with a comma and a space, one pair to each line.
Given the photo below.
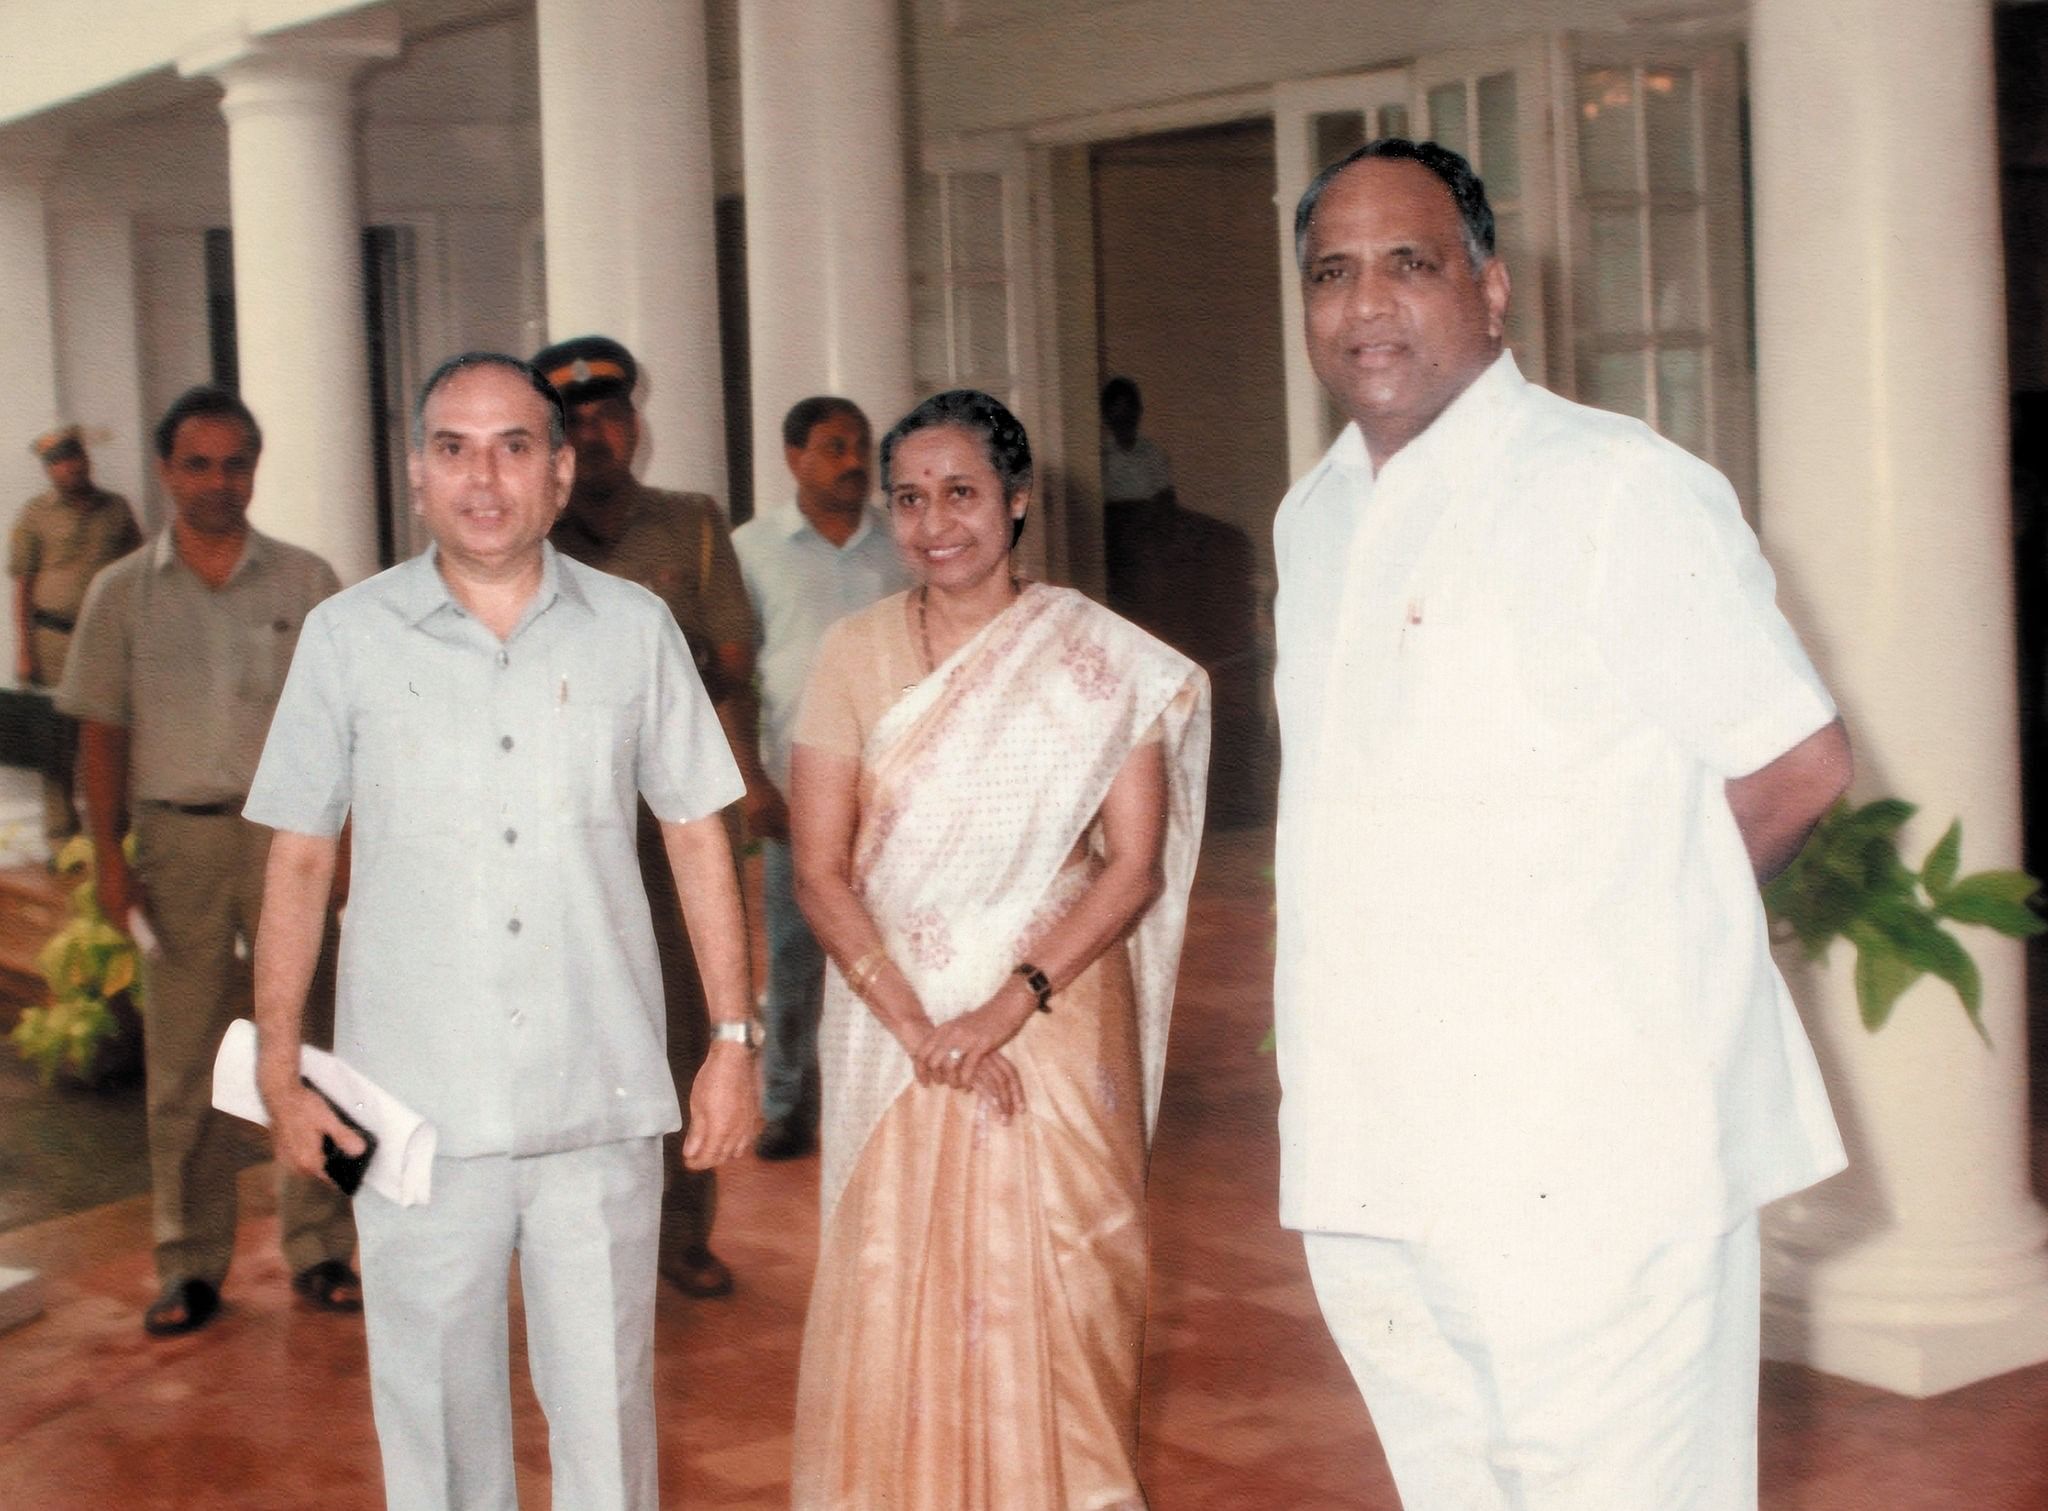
1316, 122
1492, 105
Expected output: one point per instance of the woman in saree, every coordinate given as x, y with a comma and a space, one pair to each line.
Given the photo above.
997, 800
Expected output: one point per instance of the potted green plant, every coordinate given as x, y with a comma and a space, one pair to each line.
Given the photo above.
90, 1030
1849, 882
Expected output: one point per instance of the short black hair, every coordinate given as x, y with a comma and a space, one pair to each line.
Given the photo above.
207, 401
1120, 388
1468, 192
558, 414
806, 415
982, 416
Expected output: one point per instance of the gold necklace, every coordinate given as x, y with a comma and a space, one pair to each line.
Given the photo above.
924, 634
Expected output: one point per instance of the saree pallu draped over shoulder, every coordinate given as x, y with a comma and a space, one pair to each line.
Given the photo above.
976, 1325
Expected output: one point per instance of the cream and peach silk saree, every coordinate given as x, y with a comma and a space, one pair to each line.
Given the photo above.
976, 1325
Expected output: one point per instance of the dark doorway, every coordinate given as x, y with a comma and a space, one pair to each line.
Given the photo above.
1188, 309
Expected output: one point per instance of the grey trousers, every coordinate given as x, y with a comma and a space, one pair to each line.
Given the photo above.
583, 1226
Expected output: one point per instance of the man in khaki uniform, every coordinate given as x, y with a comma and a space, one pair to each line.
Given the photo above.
678, 547
181, 651
61, 540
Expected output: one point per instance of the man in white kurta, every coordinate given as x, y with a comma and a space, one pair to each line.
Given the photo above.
1544, 727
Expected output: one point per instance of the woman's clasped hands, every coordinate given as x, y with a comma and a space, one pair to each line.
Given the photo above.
965, 1053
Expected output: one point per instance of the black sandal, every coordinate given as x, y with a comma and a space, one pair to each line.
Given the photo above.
184, 1307
322, 1285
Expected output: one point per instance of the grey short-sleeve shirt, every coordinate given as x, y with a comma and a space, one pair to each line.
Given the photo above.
498, 972
192, 671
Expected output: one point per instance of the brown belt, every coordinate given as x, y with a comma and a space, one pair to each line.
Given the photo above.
199, 810
45, 620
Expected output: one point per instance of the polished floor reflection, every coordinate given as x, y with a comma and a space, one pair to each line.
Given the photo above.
1246, 1403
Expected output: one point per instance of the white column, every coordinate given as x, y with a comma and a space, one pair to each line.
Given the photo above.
301, 344
1882, 397
27, 336
99, 343
628, 198
828, 262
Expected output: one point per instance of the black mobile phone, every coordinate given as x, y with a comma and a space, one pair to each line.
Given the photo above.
345, 1170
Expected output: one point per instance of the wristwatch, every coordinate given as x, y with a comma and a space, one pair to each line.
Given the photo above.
747, 1031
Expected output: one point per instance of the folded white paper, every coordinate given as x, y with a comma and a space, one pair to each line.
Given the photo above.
402, 1169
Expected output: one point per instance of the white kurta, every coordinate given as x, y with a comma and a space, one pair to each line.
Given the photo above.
1523, 974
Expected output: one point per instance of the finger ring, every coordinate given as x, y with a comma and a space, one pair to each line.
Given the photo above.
956, 1054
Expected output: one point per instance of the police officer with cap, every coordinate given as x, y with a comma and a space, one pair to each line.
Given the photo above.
678, 546
61, 540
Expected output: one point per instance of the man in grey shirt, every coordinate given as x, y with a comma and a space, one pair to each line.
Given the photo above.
807, 561
180, 651
486, 715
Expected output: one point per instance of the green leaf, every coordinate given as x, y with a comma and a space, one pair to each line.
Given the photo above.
1882, 976
1886, 816
1924, 943
1996, 900
1938, 873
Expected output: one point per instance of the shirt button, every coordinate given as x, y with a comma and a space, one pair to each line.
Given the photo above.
518, 1018
511, 835
505, 742
513, 926
504, 658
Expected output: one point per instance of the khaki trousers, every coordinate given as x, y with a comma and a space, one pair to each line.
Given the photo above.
203, 880
60, 777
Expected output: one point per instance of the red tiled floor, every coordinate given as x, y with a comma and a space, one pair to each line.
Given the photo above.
1246, 1404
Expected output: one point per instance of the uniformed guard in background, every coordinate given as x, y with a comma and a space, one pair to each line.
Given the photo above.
678, 546
61, 540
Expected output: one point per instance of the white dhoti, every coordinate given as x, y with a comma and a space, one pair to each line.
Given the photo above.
584, 1226
1536, 1372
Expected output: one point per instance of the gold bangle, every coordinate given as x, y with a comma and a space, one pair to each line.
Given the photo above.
865, 969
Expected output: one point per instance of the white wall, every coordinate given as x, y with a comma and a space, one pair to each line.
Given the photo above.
1020, 62
58, 50
99, 375
170, 286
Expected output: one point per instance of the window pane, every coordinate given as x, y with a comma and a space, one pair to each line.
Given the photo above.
1614, 380
1615, 272
1447, 117
1607, 130
981, 332
1393, 120
1337, 132
974, 211
1525, 304
1669, 129
928, 337
1500, 157
1678, 269
1681, 398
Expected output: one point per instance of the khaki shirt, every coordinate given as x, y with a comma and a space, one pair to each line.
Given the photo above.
59, 547
677, 546
193, 672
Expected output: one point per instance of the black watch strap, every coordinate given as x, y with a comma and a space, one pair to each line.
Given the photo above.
1041, 988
